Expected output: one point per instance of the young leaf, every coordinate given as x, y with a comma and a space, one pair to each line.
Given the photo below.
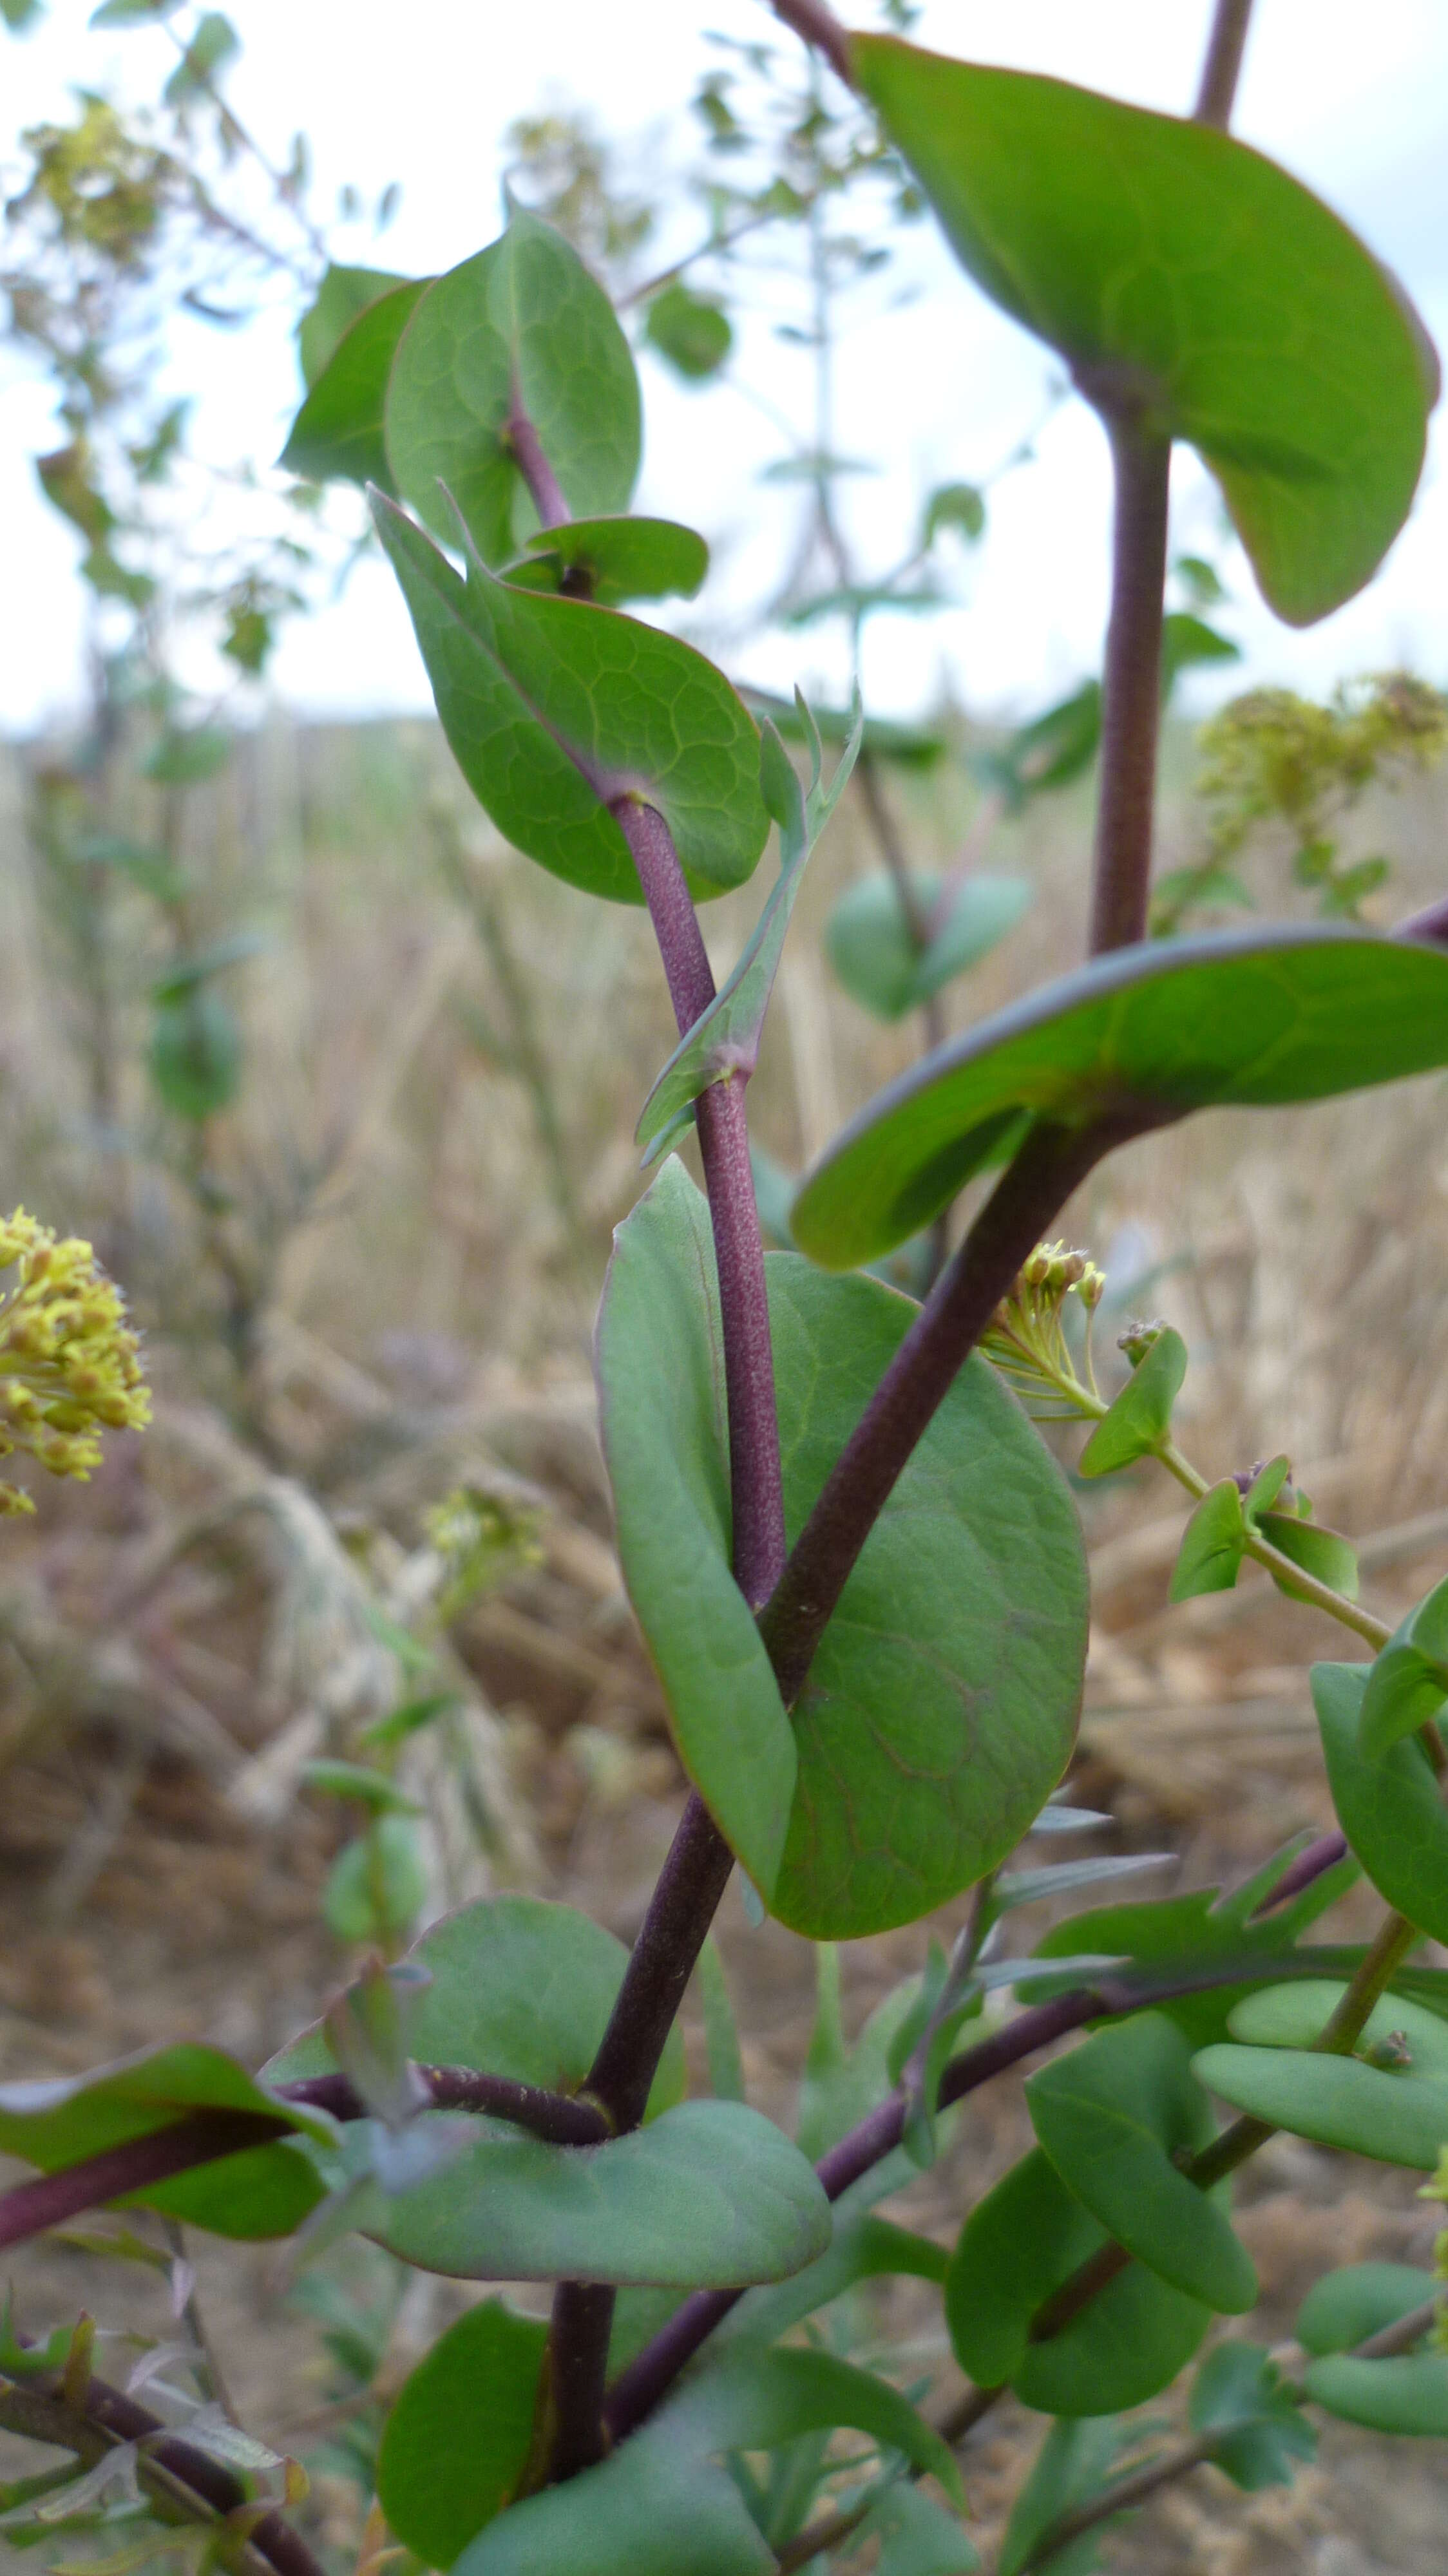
357, 1780
343, 294
1071, 2466
725, 1040
458, 2434
1407, 2393
1171, 262
709, 2195
1344, 2308
522, 325
871, 950
337, 434
1408, 1683
1252, 1018
1214, 1543
1323, 1553
1139, 1420
1390, 1808
377, 1885
1335, 2101
693, 334
611, 560
516, 1987
1258, 2430
1018, 2246
909, 746
721, 2031
554, 709
1113, 2115
876, 1804
954, 505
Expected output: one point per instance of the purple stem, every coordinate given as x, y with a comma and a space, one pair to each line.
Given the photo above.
817, 26
1430, 925
1131, 698
48, 2202
561, 2119
681, 1909
1045, 1172
1223, 65
533, 465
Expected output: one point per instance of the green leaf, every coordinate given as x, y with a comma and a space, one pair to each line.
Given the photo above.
875, 1804
459, 2431
1408, 1682
1112, 2115
1048, 753
522, 323
1344, 2308
1390, 1807
1174, 267
1246, 1018
1187, 642
189, 758
611, 560
954, 505
875, 957
863, 2248
516, 1987
259, 2191
721, 2031
195, 1055
917, 2536
1405, 2394
1295, 2016
1335, 2101
1069, 2469
693, 334
358, 1780
1139, 1420
1214, 1543
1323, 1553
724, 1040
343, 294
1258, 2429
554, 708
377, 1886
183, 974
214, 44
1018, 2246
909, 746
338, 432
709, 2195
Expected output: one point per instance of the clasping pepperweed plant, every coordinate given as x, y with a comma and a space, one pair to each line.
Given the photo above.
857, 1566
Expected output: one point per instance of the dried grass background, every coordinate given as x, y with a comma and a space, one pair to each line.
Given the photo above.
177, 1639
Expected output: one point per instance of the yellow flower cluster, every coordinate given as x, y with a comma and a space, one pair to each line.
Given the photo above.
70, 1366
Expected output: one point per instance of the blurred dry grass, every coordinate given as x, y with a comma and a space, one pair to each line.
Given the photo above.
177, 1639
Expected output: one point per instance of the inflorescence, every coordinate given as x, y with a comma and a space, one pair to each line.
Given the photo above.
70, 1365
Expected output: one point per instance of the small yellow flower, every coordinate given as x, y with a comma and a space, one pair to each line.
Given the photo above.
70, 1365
1026, 1337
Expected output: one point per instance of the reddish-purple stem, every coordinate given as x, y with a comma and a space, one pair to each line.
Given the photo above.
560, 2119
817, 26
1313, 1863
1131, 690
1222, 67
142, 2162
533, 465
1430, 925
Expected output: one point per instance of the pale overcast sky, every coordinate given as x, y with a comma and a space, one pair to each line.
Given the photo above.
1351, 99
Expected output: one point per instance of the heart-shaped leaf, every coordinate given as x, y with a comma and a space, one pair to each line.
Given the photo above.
877, 961
1335, 2101
940, 1707
1390, 1806
1140, 1418
554, 709
1113, 2116
724, 1040
522, 325
337, 434
459, 2431
1018, 2246
1181, 274
1247, 1018
1214, 1543
611, 560
514, 1987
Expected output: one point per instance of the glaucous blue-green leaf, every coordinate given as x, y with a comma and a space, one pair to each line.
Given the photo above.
709, 2195
1053, 750
908, 746
877, 961
1181, 274
1139, 1419
1408, 1682
1406, 2393
658, 2507
1251, 1019
1018, 2246
458, 2433
1400, 2119
343, 294
1258, 2431
1071, 2467
1113, 2116
555, 708
724, 1040
1346, 2307
941, 1704
265, 2190
721, 2030
521, 325
1295, 2016
377, 1886
1390, 1806
337, 434
515, 1986
611, 560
